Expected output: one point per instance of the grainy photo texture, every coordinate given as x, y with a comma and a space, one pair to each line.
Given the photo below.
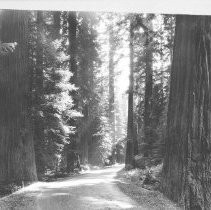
104, 110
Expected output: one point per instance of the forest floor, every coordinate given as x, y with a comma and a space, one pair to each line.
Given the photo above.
97, 189
147, 195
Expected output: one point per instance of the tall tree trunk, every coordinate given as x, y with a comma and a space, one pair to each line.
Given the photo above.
39, 94
72, 31
129, 159
187, 162
84, 148
85, 135
86, 83
111, 83
17, 159
148, 96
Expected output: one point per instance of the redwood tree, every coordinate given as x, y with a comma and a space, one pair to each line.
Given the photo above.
148, 139
39, 100
111, 81
187, 163
17, 161
129, 159
72, 31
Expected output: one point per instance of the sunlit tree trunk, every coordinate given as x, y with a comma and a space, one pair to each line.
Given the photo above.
187, 163
17, 159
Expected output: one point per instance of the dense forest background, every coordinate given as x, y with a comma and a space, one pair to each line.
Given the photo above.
84, 89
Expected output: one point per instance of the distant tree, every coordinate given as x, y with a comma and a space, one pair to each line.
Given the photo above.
152, 52
114, 44
163, 50
111, 66
186, 170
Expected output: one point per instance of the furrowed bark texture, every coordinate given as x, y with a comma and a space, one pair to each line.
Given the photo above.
187, 162
17, 161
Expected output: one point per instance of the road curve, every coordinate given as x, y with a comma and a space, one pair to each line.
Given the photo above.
94, 190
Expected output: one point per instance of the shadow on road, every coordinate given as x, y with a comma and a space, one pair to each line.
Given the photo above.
94, 190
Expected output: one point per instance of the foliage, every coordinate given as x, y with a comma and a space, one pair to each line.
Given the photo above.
51, 99
161, 47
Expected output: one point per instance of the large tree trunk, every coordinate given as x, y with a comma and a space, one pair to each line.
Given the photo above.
148, 96
187, 163
84, 148
86, 83
17, 160
85, 135
72, 31
129, 159
111, 83
39, 94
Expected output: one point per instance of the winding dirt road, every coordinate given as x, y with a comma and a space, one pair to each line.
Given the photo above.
94, 190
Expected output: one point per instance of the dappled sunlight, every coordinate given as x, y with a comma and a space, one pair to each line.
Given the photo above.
93, 190
70, 183
109, 203
60, 194
103, 176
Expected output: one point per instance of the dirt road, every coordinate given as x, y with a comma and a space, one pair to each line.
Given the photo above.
94, 190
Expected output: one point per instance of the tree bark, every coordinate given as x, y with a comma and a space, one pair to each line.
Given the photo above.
111, 83
39, 94
148, 96
86, 67
85, 135
17, 159
129, 159
72, 31
187, 162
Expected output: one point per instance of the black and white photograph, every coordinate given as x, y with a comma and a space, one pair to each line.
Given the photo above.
105, 108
